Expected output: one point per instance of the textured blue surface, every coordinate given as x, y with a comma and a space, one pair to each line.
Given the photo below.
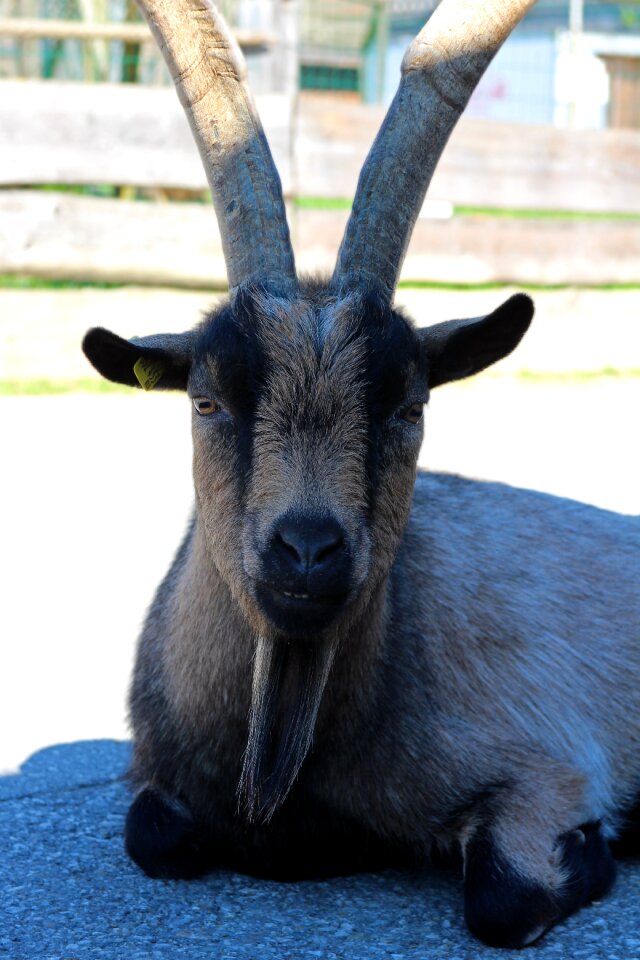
68, 892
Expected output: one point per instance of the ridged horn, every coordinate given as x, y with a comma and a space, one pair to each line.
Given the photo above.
209, 73
440, 70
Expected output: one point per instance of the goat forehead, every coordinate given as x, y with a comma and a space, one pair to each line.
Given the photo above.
308, 349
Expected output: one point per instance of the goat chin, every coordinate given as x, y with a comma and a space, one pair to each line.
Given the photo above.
289, 678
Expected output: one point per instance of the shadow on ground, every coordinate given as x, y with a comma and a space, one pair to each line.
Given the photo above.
68, 892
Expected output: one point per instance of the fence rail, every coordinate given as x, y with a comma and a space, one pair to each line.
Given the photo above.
57, 133
57, 236
23, 28
128, 135
72, 133
485, 163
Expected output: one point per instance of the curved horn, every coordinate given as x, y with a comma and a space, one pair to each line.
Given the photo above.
209, 73
440, 70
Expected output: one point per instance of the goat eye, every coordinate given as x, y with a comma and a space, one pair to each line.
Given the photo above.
205, 406
413, 414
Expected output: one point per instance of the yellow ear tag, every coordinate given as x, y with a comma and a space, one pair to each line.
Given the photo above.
148, 372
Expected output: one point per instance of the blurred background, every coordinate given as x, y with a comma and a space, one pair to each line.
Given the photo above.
106, 219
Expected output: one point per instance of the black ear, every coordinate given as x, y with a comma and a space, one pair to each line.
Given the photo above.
161, 361
460, 348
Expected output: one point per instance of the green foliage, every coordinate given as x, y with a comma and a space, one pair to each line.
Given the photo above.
47, 388
630, 16
39, 388
322, 203
525, 214
605, 373
10, 281
512, 213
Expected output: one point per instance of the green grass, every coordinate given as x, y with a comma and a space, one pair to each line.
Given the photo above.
514, 213
11, 281
83, 190
501, 285
45, 388
124, 191
543, 378
461, 210
322, 203
42, 388
605, 373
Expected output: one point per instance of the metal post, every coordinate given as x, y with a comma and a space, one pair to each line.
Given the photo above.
382, 41
576, 16
576, 25
290, 14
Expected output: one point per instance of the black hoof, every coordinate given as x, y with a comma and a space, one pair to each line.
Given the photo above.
500, 907
628, 843
505, 910
161, 838
590, 865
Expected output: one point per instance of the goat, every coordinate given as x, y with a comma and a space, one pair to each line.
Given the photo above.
350, 663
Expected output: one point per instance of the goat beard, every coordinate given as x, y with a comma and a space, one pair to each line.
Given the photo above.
288, 682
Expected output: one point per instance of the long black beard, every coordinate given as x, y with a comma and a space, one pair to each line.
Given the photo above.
288, 682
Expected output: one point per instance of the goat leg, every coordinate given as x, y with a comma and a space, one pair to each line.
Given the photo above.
162, 838
515, 892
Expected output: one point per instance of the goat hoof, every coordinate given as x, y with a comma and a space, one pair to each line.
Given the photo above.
627, 844
161, 837
504, 909
501, 908
589, 864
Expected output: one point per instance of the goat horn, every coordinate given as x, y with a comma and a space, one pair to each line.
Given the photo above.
209, 73
440, 70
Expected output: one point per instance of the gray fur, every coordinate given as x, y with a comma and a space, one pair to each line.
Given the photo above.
451, 664
483, 674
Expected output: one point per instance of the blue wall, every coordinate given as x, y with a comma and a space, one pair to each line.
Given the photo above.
518, 85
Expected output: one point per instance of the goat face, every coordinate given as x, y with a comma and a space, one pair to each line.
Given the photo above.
306, 427
307, 422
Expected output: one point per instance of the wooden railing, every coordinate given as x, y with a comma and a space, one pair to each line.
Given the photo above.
131, 136
22, 28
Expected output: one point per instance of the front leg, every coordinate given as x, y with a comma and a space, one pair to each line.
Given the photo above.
513, 896
162, 838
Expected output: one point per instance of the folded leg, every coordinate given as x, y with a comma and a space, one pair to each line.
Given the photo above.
524, 872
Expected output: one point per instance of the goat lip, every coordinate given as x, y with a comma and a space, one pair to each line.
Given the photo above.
301, 599
296, 613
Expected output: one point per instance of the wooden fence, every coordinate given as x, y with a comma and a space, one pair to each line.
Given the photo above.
75, 134
24, 28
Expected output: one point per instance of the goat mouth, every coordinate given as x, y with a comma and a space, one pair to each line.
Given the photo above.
300, 598
293, 610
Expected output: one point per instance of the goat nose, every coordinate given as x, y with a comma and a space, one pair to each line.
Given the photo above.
309, 541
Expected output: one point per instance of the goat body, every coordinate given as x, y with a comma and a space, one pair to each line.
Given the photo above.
346, 667
463, 664
498, 659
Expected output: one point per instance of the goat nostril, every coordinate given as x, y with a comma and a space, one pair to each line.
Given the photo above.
328, 548
290, 548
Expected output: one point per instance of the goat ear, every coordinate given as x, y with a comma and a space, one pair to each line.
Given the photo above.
460, 348
161, 361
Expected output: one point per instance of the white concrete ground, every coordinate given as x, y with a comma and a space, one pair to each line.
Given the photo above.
40, 330
96, 492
